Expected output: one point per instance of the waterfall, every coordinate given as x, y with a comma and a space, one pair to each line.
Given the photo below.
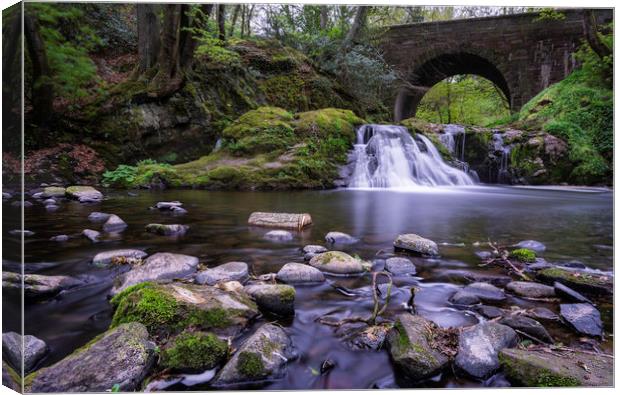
386, 156
453, 138
498, 146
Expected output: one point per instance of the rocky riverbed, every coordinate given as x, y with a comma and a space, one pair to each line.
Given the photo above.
371, 290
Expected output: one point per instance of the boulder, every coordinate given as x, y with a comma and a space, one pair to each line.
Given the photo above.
338, 262
59, 238
34, 350
114, 224
263, 356
194, 352
121, 357
416, 244
118, 256
160, 266
296, 273
400, 266
168, 309
91, 235
535, 368
279, 235
527, 325
167, 230
340, 238
273, 298
479, 346
530, 289
581, 280
37, 285
280, 220
231, 271
84, 194
566, 293
533, 245
97, 216
52, 192
583, 317
475, 292
409, 344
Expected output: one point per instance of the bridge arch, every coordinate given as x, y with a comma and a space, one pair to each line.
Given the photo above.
439, 67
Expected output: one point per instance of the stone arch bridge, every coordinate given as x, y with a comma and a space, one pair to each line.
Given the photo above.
518, 53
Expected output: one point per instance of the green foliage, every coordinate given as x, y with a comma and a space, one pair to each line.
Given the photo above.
216, 52
463, 99
523, 255
598, 71
143, 174
549, 14
194, 351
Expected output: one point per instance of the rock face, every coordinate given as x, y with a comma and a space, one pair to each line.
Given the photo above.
167, 309
410, 348
416, 244
479, 347
231, 271
37, 285
531, 368
261, 357
84, 194
527, 325
337, 262
167, 230
583, 317
34, 350
476, 292
273, 298
579, 280
340, 238
533, 245
160, 266
280, 220
118, 256
530, 289
399, 266
279, 235
114, 224
297, 273
51, 192
122, 356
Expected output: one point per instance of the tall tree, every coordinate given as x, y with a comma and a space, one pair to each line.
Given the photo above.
221, 21
233, 22
356, 28
42, 88
148, 36
324, 17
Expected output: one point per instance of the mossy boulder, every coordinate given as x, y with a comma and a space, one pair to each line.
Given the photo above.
584, 281
84, 194
534, 368
194, 351
339, 263
276, 299
263, 356
170, 308
523, 255
122, 357
410, 346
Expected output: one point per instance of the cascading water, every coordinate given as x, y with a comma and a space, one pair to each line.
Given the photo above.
453, 138
388, 157
503, 174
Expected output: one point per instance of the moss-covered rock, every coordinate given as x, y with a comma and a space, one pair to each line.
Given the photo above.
523, 255
339, 263
171, 308
273, 298
194, 351
588, 282
532, 368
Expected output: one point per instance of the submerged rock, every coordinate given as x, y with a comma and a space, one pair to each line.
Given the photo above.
19, 232
91, 235
583, 317
84, 194
533, 368
168, 205
340, 238
194, 351
37, 285
296, 273
479, 347
263, 356
273, 298
167, 230
97, 216
338, 262
400, 266
279, 235
59, 238
533, 245
280, 220
527, 325
231, 271
471, 276
167, 309
530, 289
411, 350
121, 356
580, 280
34, 350
416, 244
475, 292
113, 224
160, 266
118, 256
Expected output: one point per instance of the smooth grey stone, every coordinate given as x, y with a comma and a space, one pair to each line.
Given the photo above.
114, 224
400, 266
479, 347
231, 271
296, 273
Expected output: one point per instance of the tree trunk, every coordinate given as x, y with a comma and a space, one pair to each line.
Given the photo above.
148, 36
356, 28
231, 32
248, 20
42, 89
243, 9
591, 32
221, 19
324, 17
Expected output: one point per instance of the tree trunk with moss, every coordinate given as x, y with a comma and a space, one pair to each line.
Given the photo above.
42, 95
